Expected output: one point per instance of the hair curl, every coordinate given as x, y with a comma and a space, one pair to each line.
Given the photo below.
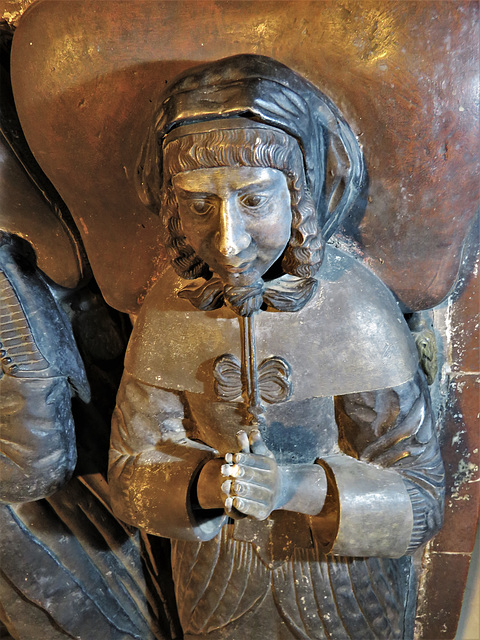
253, 147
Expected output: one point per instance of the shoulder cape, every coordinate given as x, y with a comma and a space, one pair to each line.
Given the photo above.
351, 337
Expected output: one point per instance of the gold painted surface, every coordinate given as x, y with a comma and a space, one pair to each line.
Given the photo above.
24, 212
404, 75
12, 10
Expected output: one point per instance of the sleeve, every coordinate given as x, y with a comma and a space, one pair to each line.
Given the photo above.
154, 466
386, 491
39, 367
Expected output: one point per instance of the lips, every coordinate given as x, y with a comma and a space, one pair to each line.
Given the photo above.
240, 269
243, 274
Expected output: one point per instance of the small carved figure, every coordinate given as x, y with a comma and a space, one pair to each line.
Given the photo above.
272, 419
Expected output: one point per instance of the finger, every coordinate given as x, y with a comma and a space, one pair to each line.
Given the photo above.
226, 487
231, 470
253, 460
243, 443
251, 508
231, 511
261, 477
255, 492
258, 446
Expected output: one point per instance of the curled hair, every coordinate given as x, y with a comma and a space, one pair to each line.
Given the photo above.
239, 147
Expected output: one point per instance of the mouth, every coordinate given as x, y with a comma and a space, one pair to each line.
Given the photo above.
237, 269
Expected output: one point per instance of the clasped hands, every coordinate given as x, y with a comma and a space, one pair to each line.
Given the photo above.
248, 482
253, 480
251, 483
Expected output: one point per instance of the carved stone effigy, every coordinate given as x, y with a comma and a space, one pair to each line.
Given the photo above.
274, 461
226, 438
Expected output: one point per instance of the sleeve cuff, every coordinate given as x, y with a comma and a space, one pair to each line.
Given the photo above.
160, 496
368, 510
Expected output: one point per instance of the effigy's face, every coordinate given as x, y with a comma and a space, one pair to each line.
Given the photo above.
237, 219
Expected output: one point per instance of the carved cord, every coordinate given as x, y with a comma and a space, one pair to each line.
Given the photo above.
270, 382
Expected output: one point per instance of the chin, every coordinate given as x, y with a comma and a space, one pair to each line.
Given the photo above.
243, 279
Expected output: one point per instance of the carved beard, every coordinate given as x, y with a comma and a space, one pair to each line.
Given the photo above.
282, 295
243, 292
244, 300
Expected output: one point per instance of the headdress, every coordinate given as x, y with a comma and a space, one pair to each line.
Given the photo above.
267, 92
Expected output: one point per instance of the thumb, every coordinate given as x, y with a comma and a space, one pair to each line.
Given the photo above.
258, 446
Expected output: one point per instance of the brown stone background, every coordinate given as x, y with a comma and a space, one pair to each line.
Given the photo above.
403, 74
447, 557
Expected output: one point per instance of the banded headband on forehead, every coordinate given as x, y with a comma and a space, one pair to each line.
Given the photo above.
230, 124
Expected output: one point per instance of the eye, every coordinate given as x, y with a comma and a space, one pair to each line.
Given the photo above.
253, 200
200, 207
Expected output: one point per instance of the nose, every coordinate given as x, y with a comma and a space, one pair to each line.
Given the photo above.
232, 237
